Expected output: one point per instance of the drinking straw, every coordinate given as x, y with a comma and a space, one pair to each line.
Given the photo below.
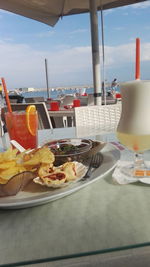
6, 95
137, 63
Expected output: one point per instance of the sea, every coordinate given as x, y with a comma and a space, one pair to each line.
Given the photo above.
53, 93
57, 92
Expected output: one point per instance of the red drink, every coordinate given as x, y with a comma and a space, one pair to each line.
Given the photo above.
19, 128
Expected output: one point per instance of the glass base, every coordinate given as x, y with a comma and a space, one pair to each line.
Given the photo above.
136, 172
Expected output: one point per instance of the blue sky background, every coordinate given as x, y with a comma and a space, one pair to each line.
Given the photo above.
25, 43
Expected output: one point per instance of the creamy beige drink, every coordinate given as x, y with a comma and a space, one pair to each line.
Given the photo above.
133, 129
137, 143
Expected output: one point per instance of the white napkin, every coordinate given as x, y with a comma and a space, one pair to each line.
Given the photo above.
122, 178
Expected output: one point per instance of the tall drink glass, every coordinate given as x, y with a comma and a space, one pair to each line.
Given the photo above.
22, 130
133, 130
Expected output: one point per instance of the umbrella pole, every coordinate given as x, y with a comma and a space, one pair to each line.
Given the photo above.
46, 72
95, 52
103, 53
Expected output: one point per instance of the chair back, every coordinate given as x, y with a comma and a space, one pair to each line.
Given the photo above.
39, 99
90, 101
83, 100
104, 117
15, 98
29, 100
43, 116
67, 100
34, 99
110, 100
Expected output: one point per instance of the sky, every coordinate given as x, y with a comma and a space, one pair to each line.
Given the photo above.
25, 43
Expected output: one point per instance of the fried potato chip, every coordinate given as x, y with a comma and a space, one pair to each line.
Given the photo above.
8, 173
30, 168
19, 157
7, 164
46, 155
9, 155
12, 162
42, 155
3, 181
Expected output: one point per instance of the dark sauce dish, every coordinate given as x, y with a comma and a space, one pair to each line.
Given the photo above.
70, 149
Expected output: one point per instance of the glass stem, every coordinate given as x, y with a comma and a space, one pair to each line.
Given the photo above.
139, 161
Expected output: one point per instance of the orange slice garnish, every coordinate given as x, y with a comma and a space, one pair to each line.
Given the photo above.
31, 119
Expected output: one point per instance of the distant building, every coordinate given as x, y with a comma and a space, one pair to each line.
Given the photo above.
30, 89
27, 89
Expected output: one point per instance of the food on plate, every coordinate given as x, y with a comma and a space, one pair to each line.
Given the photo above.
52, 176
9, 165
57, 177
70, 149
17, 169
13, 164
69, 146
38, 156
69, 169
64, 149
74, 149
8, 155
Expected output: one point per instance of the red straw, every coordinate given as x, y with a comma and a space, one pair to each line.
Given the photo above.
137, 64
6, 95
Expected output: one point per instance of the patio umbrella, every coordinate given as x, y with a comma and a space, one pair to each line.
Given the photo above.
49, 12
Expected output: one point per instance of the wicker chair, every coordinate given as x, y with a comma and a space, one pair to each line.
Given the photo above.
104, 117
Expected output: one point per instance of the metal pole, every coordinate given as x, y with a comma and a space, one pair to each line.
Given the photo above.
47, 85
103, 53
95, 52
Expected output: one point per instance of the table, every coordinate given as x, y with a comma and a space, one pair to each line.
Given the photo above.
63, 117
100, 218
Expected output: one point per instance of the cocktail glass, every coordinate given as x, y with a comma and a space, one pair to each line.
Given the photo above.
133, 130
22, 130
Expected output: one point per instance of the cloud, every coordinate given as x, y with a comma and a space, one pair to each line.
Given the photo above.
44, 34
7, 39
24, 67
142, 5
108, 11
79, 31
126, 53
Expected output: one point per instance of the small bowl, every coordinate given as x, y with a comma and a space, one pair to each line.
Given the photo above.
74, 149
16, 183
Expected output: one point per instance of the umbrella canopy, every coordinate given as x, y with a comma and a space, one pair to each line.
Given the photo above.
49, 12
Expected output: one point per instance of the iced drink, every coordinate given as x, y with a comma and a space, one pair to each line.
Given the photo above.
22, 129
134, 126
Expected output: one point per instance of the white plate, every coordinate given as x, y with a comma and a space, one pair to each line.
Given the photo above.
144, 180
37, 195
